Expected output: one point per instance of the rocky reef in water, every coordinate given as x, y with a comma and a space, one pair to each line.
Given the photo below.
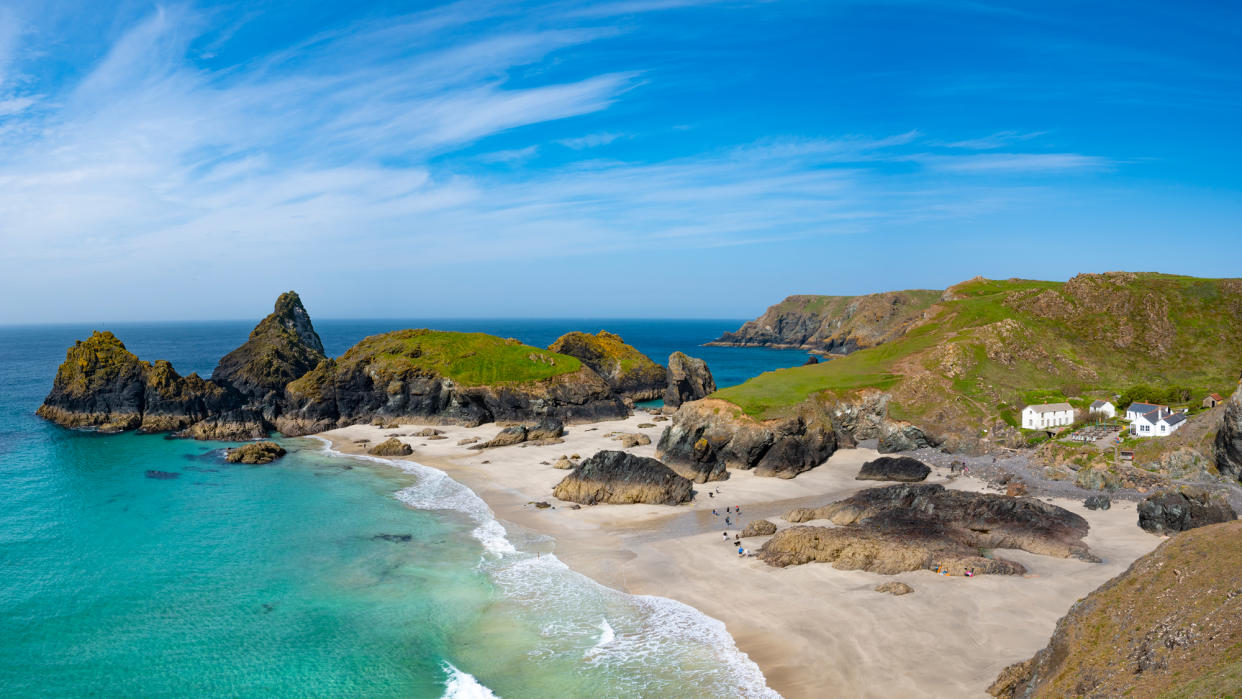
1170, 625
622, 478
916, 527
280, 379
630, 373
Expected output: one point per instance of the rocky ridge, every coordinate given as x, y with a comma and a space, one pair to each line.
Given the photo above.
630, 373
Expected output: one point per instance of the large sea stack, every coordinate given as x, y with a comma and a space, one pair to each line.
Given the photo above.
688, 379
281, 348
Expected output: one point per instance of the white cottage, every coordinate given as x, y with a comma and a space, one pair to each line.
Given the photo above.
1137, 410
1045, 415
1104, 408
1155, 424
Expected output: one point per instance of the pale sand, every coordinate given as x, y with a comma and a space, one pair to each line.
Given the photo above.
814, 631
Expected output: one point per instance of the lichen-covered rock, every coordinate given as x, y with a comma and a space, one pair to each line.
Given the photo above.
564, 464
893, 468
887, 553
632, 439
281, 348
965, 519
255, 453
391, 447
1174, 511
619, 477
1097, 502
758, 527
629, 373
547, 428
689, 379
707, 437
1170, 625
1228, 445
894, 588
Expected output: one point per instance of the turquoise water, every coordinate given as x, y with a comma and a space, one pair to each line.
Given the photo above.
319, 575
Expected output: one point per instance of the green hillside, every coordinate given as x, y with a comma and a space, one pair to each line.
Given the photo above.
993, 346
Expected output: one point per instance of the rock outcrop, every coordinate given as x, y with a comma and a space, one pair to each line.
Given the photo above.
758, 527
629, 373
911, 527
834, 324
102, 385
391, 447
461, 378
894, 588
255, 453
1228, 445
546, 431
622, 478
281, 348
1171, 625
1174, 511
894, 468
689, 379
707, 437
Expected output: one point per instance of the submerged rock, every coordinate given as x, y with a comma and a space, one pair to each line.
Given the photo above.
893, 468
1174, 511
255, 453
689, 379
622, 478
162, 475
391, 447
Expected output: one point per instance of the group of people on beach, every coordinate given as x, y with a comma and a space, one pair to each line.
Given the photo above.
730, 512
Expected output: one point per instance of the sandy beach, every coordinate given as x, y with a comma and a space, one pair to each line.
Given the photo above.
814, 631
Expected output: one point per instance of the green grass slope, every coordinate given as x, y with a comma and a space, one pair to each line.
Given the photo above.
991, 347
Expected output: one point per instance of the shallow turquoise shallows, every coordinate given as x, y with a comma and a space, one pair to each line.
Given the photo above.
135, 565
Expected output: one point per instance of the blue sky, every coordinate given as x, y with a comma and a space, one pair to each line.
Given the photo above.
641, 158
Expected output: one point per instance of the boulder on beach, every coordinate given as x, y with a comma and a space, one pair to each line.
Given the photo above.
689, 379
255, 453
759, 527
1097, 502
391, 447
894, 588
1173, 511
893, 468
548, 428
629, 440
619, 477
925, 526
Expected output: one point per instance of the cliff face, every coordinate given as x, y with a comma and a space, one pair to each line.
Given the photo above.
1171, 625
281, 348
102, 384
834, 324
629, 373
465, 378
1228, 446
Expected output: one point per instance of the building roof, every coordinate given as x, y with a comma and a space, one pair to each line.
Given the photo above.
1174, 419
1142, 408
1100, 404
1216, 397
1050, 407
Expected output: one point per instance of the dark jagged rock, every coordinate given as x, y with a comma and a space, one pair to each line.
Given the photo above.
547, 428
629, 373
430, 375
281, 348
812, 359
255, 453
1097, 502
1174, 511
904, 437
893, 468
934, 520
391, 447
707, 437
546, 431
689, 379
621, 478
1228, 445
1170, 625
758, 527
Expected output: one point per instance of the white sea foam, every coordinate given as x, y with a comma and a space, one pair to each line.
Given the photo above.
463, 685
648, 627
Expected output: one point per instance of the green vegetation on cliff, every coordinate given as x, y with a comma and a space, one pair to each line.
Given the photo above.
983, 349
469, 359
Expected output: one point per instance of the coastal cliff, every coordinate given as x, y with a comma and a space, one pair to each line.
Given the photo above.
1171, 625
630, 373
462, 378
1228, 444
833, 324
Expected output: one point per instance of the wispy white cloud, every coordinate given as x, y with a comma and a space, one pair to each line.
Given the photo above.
1000, 139
593, 140
1022, 163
